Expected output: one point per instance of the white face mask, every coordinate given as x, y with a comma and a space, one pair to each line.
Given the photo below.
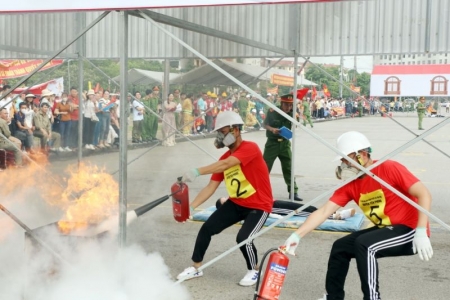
345, 171
224, 140
23, 111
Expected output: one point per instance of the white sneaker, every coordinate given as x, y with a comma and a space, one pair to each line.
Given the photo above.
87, 147
344, 214
91, 147
324, 297
67, 149
60, 149
190, 273
250, 278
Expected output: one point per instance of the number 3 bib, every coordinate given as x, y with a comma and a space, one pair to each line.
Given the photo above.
237, 185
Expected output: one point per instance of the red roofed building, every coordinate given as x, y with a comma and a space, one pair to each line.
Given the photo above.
410, 80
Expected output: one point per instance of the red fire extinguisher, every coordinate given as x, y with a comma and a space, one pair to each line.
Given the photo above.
180, 200
274, 276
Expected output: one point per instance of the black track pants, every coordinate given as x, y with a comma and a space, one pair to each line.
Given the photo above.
366, 246
228, 214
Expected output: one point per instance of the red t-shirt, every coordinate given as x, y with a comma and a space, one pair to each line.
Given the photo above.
248, 183
209, 106
199, 121
379, 203
74, 113
226, 106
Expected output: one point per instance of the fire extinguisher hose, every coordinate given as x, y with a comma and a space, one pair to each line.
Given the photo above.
256, 296
145, 208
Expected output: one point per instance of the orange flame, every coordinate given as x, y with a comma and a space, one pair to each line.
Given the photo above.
92, 196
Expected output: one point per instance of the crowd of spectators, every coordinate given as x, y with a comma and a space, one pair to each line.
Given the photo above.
54, 120
188, 113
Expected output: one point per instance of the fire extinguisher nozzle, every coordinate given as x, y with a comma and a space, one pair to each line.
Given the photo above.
145, 208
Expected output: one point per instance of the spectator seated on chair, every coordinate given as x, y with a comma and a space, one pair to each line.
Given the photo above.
43, 128
24, 131
8, 142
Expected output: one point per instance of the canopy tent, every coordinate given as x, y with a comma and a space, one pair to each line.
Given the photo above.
144, 77
207, 75
102, 5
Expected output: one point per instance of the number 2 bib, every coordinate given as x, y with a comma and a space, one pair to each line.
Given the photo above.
237, 185
373, 204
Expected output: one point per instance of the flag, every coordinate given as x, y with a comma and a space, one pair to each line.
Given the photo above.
302, 93
97, 88
325, 90
313, 93
55, 85
356, 89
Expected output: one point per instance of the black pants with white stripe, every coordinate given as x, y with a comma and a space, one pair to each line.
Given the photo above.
225, 216
365, 246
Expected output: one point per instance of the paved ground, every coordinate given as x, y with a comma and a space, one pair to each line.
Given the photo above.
151, 176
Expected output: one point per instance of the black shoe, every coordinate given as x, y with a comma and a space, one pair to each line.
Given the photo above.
296, 197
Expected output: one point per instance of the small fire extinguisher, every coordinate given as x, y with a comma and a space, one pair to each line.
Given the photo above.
274, 275
180, 200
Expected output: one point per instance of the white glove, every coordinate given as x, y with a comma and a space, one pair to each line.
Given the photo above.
291, 243
422, 244
190, 175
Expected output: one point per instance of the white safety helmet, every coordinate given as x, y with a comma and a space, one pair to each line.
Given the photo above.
350, 142
227, 118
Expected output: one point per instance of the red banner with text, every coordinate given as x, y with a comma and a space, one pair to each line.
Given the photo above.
19, 68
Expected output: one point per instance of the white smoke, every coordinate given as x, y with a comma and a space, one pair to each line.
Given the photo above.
95, 270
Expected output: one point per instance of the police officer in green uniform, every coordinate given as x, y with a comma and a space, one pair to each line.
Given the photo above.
360, 107
306, 112
276, 145
150, 122
421, 111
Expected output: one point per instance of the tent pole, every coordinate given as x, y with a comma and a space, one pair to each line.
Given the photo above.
123, 134
81, 44
294, 116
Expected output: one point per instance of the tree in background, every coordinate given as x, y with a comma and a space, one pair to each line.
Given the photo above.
317, 76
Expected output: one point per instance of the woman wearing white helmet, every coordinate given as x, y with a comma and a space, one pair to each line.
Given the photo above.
399, 228
246, 178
